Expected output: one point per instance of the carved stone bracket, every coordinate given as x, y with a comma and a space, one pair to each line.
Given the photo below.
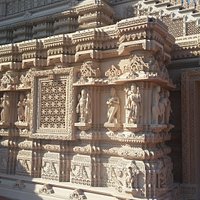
19, 185
46, 189
133, 127
78, 194
83, 126
112, 126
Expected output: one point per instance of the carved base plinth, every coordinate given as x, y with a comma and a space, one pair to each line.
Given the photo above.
21, 125
4, 124
169, 127
24, 132
158, 127
112, 126
83, 126
133, 127
137, 192
4, 132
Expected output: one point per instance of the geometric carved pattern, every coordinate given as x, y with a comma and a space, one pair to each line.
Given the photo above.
53, 104
175, 25
192, 28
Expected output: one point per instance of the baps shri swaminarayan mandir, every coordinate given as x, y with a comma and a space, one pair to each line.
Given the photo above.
100, 99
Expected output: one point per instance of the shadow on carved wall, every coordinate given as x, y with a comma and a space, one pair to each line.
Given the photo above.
185, 99
20, 187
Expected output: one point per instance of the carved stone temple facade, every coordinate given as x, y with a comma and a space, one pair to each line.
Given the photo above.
99, 99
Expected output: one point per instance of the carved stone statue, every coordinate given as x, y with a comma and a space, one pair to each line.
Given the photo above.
84, 107
155, 105
133, 105
5, 105
168, 107
27, 104
162, 107
130, 178
165, 107
113, 112
21, 109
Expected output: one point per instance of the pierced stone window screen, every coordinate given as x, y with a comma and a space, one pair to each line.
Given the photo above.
53, 104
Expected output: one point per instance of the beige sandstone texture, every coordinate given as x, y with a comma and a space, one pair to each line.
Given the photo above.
92, 97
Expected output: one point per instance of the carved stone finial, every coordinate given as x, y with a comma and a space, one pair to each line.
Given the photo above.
25, 80
9, 80
113, 73
89, 69
89, 72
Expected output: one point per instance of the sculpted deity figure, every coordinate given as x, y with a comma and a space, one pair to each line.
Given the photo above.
162, 106
113, 107
133, 105
21, 108
5, 105
131, 177
27, 103
165, 107
168, 107
84, 107
155, 105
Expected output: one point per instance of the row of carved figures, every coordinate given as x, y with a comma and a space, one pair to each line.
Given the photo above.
161, 106
23, 109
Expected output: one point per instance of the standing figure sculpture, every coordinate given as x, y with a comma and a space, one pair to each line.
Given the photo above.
162, 107
5, 105
113, 112
131, 177
155, 105
27, 103
84, 107
168, 107
133, 105
21, 109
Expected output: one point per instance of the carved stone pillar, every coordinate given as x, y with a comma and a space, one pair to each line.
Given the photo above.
36, 159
